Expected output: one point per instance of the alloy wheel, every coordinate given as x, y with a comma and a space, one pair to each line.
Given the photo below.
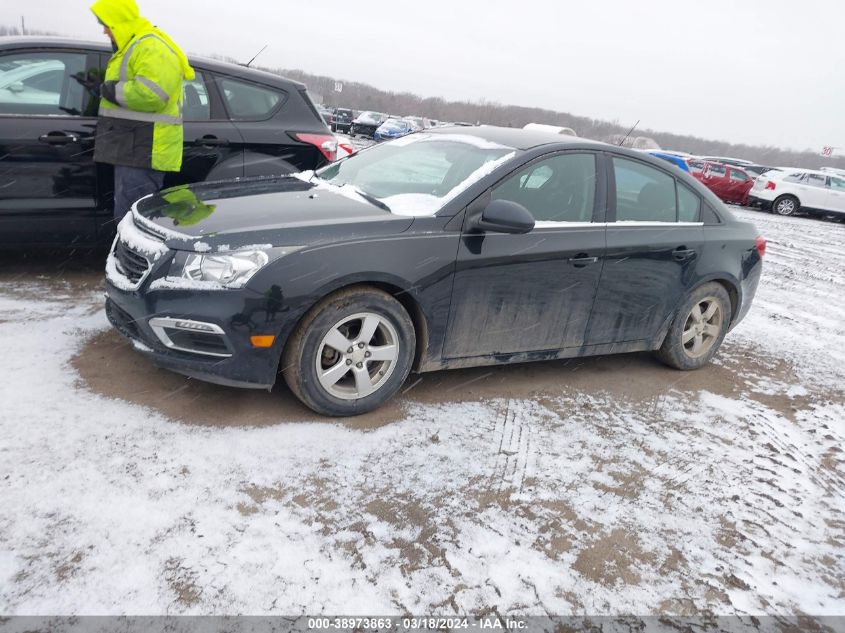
786, 207
357, 356
702, 327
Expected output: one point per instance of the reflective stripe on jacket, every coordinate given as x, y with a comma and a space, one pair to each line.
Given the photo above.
142, 126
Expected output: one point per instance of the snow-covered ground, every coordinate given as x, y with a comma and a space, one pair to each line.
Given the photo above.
605, 486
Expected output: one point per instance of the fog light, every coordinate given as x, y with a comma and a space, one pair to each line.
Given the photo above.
193, 325
262, 341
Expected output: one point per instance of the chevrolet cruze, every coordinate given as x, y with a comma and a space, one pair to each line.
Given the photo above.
453, 247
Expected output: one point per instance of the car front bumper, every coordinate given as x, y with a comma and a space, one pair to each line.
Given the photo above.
204, 337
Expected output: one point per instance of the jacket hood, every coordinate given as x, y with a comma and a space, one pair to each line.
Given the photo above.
126, 22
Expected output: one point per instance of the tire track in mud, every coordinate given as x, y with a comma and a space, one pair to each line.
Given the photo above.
512, 439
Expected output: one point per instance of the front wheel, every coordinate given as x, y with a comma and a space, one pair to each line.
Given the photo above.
786, 205
698, 329
351, 353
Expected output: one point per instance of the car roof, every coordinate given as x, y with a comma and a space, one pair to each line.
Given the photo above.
519, 138
800, 170
214, 65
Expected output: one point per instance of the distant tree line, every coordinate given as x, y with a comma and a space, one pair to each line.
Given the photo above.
361, 96
14, 30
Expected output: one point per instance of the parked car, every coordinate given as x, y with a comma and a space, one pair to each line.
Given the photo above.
343, 120
800, 191
421, 122
449, 248
726, 160
757, 170
238, 122
394, 128
676, 160
327, 115
366, 123
729, 182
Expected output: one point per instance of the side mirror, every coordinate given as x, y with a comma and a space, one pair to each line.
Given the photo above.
505, 216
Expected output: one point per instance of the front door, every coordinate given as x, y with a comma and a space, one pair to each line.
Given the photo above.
836, 195
47, 127
532, 292
652, 249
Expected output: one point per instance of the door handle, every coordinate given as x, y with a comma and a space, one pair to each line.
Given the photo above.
581, 260
211, 141
59, 138
682, 254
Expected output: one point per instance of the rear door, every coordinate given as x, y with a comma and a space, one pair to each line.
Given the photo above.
532, 292
47, 126
213, 145
716, 179
654, 237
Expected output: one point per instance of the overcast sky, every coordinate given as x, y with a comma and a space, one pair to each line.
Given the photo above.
755, 71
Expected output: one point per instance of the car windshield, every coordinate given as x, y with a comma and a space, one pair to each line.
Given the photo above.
418, 174
371, 117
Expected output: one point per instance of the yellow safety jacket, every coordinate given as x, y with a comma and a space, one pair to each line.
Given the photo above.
142, 125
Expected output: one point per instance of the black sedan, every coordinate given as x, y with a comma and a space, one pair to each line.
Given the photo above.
449, 248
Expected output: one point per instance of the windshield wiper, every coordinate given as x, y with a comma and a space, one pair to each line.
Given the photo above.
371, 198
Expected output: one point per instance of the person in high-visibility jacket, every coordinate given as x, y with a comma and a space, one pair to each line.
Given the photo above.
140, 125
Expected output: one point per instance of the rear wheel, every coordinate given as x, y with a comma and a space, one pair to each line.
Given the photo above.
351, 353
786, 205
698, 329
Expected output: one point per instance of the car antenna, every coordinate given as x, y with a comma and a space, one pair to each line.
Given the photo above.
256, 55
622, 142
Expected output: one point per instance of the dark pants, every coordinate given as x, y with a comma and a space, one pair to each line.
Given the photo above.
132, 183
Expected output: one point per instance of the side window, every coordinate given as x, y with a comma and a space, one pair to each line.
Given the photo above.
814, 180
43, 83
689, 205
716, 171
643, 193
558, 189
837, 183
794, 178
249, 102
196, 105
738, 176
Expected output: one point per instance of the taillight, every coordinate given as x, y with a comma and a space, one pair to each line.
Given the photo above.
770, 185
326, 143
760, 243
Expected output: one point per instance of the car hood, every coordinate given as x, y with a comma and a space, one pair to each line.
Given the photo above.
276, 211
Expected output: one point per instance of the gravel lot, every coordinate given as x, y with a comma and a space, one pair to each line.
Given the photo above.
609, 485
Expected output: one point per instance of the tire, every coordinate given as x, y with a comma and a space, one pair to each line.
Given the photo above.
336, 322
786, 205
705, 332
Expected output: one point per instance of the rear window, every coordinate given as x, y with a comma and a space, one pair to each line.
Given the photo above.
794, 178
716, 170
250, 102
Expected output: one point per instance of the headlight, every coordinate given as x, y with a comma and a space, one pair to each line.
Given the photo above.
230, 269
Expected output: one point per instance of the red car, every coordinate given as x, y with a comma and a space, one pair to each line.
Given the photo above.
729, 182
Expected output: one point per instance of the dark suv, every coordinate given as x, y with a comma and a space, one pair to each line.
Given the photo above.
239, 122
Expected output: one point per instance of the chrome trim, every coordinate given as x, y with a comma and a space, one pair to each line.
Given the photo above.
158, 324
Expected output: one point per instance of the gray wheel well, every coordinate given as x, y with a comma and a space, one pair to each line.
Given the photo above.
403, 297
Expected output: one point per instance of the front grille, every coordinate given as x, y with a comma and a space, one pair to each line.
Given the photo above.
130, 263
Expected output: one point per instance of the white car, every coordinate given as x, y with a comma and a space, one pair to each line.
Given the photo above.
790, 191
